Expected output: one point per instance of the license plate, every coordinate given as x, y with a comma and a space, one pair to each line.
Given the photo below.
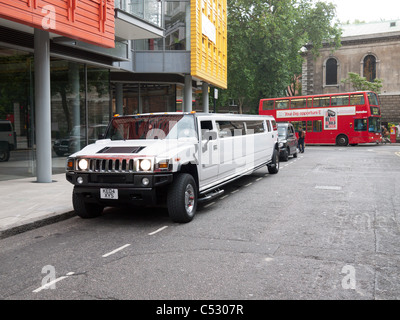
106, 193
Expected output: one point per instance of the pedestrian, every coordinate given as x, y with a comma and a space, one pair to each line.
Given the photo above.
302, 136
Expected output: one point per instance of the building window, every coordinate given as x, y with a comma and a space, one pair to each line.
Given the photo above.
370, 68
331, 71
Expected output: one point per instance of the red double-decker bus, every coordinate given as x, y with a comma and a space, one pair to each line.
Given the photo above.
337, 118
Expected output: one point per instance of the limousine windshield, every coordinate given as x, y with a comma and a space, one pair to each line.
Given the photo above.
169, 126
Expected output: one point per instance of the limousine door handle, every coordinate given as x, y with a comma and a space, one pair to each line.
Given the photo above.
215, 147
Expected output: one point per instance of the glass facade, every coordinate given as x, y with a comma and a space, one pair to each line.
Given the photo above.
148, 10
80, 109
145, 98
177, 29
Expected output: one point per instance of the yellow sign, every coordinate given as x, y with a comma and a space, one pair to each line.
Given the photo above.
209, 41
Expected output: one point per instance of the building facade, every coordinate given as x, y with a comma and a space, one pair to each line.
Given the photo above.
67, 66
371, 50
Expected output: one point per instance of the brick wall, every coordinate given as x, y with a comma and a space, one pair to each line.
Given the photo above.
390, 108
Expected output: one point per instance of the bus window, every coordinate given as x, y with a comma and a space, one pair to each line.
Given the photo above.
268, 105
298, 103
374, 124
309, 103
357, 99
282, 104
321, 102
297, 125
317, 126
309, 126
340, 100
360, 124
373, 99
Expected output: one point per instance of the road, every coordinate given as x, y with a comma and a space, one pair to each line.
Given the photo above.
325, 227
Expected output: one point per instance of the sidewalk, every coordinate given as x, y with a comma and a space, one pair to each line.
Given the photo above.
26, 204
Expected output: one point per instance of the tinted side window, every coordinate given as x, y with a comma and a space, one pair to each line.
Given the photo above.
268, 125
274, 125
5, 127
206, 125
254, 127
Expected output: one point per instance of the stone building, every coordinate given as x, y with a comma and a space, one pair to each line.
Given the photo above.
371, 50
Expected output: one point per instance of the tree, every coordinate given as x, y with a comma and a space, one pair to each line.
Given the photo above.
362, 84
264, 42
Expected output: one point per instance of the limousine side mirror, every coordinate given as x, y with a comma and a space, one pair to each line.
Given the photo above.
209, 135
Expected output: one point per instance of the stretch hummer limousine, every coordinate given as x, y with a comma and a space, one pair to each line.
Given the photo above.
172, 159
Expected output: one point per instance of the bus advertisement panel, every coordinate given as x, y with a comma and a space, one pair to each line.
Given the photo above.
341, 118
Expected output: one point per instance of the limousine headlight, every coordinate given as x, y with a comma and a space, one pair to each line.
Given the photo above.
83, 164
145, 165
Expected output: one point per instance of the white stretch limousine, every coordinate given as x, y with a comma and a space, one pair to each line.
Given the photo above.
175, 159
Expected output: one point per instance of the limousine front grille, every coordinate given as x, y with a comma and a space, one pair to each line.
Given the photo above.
110, 165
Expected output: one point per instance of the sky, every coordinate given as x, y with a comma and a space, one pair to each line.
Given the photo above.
366, 10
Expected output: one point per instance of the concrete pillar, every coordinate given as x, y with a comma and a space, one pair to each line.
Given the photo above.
187, 97
73, 78
204, 88
119, 98
42, 106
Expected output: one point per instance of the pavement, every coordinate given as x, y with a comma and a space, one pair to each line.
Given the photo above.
26, 204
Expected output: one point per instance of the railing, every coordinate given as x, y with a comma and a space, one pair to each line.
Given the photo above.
148, 10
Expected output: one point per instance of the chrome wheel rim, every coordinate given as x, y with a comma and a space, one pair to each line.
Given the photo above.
189, 199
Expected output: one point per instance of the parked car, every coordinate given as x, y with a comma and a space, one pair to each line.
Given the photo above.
172, 159
77, 139
287, 141
8, 140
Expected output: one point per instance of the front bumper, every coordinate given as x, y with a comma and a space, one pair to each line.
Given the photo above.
131, 189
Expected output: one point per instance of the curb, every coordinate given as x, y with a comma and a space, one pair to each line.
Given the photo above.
36, 224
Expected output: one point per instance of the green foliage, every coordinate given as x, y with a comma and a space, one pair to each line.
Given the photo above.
265, 38
362, 84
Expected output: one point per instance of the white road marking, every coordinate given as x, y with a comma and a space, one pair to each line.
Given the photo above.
328, 187
249, 184
47, 285
225, 196
234, 191
158, 230
116, 250
258, 179
209, 205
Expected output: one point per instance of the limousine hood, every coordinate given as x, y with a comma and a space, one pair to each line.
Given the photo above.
166, 148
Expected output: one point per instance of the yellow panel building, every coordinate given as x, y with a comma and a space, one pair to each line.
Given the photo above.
208, 34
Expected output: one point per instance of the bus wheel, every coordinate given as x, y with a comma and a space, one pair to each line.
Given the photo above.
342, 140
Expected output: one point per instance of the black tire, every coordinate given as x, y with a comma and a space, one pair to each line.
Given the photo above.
182, 198
342, 140
4, 154
295, 154
85, 210
273, 168
286, 154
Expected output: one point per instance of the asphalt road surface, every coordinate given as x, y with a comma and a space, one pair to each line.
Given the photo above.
325, 227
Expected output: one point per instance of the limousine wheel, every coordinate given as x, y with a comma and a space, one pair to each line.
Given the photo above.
182, 198
274, 166
85, 210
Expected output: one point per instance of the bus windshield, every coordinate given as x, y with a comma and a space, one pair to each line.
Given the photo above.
373, 99
152, 127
